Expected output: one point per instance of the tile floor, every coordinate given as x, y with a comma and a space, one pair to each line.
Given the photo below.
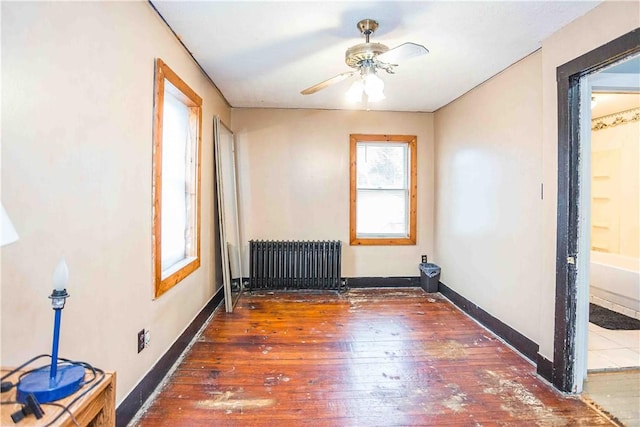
614, 307
612, 349
617, 393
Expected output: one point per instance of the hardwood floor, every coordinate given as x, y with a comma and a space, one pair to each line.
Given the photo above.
373, 357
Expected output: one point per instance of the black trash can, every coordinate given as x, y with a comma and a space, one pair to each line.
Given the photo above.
429, 276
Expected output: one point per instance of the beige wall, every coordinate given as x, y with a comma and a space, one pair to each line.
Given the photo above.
604, 23
494, 146
488, 207
77, 82
293, 168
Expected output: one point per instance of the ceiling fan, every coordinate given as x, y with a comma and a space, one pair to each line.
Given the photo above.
367, 58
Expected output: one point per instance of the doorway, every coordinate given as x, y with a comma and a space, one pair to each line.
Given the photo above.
614, 267
609, 134
572, 250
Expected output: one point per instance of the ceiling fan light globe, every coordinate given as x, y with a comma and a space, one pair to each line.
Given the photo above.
374, 87
354, 94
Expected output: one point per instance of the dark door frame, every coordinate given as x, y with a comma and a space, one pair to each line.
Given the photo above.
568, 79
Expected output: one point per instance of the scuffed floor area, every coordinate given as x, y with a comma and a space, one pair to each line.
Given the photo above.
372, 357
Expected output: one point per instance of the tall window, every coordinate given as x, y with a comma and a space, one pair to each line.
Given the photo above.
176, 179
383, 190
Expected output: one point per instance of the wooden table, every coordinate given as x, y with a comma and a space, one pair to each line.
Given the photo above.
96, 408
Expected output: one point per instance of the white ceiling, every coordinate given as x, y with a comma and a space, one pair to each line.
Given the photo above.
611, 103
616, 88
263, 53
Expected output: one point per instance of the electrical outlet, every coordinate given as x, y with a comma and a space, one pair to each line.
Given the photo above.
424, 259
141, 340
147, 338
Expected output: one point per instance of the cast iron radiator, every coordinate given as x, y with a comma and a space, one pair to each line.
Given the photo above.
294, 264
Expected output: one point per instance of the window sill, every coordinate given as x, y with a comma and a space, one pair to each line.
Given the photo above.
176, 273
377, 241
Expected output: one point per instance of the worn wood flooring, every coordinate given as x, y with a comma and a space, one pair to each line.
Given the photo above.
371, 357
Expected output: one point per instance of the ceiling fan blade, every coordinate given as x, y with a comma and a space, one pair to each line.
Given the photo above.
332, 80
402, 52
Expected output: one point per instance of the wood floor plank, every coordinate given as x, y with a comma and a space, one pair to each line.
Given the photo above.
377, 357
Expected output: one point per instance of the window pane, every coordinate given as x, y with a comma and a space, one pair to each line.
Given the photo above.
175, 137
381, 212
382, 189
176, 179
382, 166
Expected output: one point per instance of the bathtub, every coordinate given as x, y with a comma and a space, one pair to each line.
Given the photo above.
615, 282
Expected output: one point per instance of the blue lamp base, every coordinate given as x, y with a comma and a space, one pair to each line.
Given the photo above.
68, 380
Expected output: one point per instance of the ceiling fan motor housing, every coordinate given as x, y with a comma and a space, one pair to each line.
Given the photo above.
356, 55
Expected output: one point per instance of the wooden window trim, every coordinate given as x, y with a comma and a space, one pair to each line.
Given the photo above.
411, 140
194, 103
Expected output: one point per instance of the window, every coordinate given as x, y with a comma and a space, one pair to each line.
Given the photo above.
383, 190
176, 179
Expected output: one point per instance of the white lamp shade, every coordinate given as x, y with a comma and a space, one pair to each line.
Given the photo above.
9, 234
373, 87
61, 276
354, 94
